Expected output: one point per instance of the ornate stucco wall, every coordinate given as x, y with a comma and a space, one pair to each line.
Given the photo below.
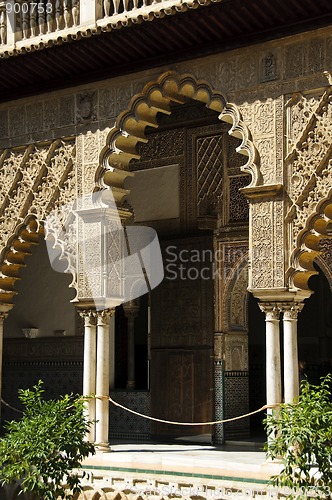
276, 86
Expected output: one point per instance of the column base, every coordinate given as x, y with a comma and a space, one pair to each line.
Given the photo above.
272, 467
103, 447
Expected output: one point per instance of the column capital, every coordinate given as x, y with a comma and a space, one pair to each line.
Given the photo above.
291, 310
272, 310
89, 316
131, 309
103, 317
4, 311
3, 316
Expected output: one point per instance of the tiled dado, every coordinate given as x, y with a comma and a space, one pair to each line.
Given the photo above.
59, 377
237, 403
125, 425
57, 362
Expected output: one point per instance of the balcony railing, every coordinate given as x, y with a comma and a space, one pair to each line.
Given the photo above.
24, 22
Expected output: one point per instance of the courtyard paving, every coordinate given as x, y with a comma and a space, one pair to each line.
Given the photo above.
236, 470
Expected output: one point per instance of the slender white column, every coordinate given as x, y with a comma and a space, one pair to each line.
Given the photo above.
103, 377
3, 315
2, 318
89, 365
112, 352
291, 363
11, 23
131, 382
131, 309
149, 341
273, 363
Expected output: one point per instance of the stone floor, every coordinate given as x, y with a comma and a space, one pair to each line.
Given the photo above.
185, 458
163, 471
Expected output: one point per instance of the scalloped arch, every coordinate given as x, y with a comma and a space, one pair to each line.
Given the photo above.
17, 248
325, 268
319, 225
156, 96
13, 257
36, 178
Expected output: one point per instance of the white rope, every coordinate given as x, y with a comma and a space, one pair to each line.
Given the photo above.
265, 407
9, 406
186, 423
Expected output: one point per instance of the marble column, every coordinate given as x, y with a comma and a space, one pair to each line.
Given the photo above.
4, 310
149, 342
89, 365
273, 362
291, 363
112, 352
2, 318
131, 309
102, 378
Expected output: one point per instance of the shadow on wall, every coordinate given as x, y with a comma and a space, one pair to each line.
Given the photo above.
43, 299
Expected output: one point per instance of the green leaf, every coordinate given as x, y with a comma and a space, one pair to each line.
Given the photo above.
46, 445
303, 436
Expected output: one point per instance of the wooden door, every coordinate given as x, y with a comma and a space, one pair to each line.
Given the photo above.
182, 350
181, 391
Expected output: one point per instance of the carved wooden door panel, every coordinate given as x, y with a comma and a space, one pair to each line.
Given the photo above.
181, 394
182, 342
181, 391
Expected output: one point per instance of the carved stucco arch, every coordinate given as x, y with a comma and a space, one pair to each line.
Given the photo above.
156, 96
18, 247
318, 227
310, 191
326, 269
35, 180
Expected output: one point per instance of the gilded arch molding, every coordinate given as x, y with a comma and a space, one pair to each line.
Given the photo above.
156, 96
310, 188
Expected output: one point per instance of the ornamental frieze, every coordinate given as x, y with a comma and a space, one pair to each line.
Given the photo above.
310, 162
35, 179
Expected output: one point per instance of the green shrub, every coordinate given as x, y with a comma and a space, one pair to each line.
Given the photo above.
46, 445
301, 435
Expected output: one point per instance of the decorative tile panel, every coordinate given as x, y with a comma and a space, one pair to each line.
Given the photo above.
236, 403
125, 425
219, 403
59, 377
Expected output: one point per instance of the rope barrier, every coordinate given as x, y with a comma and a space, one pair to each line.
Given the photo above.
171, 422
11, 407
265, 407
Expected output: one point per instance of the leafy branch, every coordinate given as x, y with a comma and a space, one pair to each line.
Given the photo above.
46, 446
301, 435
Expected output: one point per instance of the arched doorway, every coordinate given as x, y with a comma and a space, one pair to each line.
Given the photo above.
35, 179
42, 334
186, 186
